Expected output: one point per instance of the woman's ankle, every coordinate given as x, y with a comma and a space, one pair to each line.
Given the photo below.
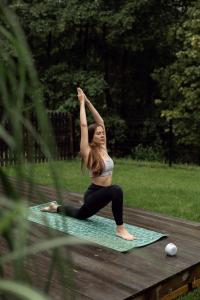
120, 227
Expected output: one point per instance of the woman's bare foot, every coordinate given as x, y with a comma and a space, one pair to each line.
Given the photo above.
124, 234
51, 208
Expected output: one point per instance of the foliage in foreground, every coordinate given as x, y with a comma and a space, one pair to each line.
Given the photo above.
19, 87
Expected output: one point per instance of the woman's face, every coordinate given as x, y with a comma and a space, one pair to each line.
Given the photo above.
99, 137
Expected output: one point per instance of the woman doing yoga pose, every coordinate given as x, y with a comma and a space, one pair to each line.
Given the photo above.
94, 155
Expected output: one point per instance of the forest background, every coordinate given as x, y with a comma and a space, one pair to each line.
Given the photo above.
138, 62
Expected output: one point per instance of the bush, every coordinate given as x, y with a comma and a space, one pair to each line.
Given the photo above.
117, 131
148, 153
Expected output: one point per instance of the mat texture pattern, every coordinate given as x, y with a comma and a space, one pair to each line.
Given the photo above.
96, 229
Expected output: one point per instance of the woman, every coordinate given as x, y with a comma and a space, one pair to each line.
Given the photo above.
95, 157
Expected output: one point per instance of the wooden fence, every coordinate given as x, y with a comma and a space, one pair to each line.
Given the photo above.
63, 129
67, 138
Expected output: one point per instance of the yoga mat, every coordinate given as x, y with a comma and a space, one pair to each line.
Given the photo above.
96, 229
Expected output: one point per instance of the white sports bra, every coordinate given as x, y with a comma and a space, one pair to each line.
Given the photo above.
108, 168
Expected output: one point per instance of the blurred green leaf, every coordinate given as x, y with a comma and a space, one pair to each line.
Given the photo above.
46, 245
22, 291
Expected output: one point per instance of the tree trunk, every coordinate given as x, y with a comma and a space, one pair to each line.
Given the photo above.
105, 54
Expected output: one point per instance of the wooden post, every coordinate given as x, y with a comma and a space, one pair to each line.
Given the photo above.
71, 136
170, 142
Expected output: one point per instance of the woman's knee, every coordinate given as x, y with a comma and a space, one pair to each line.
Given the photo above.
82, 213
117, 191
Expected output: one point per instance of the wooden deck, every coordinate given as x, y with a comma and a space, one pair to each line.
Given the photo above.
101, 273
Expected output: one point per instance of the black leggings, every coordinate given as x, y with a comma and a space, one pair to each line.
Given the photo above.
95, 198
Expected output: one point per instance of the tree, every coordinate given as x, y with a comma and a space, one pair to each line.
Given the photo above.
110, 48
179, 82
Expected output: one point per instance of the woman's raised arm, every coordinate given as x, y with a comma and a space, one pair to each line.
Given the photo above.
84, 145
98, 119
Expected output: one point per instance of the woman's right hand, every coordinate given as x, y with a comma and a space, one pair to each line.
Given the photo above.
81, 95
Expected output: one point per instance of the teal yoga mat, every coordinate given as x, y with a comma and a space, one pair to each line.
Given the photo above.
96, 229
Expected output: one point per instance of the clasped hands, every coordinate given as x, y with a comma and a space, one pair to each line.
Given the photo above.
81, 96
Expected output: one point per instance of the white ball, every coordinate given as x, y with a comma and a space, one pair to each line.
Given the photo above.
171, 249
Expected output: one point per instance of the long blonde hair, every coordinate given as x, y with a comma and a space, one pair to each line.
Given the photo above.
95, 162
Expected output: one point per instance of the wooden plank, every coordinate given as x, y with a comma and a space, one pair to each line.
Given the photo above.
196, 277
123, 265
136, 274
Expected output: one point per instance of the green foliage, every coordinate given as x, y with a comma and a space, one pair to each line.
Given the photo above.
107, 38
20, 94
20, 290
110, 49
179, 81
117, 133
148, 153
194, 295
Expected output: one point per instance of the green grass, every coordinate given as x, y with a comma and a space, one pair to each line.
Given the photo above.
194, 295
153, 186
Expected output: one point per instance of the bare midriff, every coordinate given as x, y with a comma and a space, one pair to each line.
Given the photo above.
103, 181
